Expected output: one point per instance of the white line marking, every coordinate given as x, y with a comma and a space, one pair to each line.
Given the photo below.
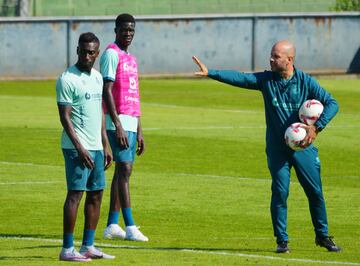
198, 251
224, 176
174, 106
29, 164
29, 183
186, 174
265, 179
203, 128
271, 257
231, 127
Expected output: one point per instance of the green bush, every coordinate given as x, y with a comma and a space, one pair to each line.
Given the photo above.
347, 5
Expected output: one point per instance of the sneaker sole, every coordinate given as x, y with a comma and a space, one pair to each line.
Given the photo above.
110, 237
75, 260
283, 252
137, 240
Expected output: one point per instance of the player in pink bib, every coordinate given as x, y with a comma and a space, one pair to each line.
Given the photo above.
125, 89
122, 108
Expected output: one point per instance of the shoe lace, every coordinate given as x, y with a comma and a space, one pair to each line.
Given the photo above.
75, 253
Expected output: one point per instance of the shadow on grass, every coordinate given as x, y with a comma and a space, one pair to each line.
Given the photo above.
120, 245
22, 257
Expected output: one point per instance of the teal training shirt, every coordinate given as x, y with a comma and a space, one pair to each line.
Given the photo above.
282, 99
83, 91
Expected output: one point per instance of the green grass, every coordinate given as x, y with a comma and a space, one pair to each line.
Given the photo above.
146, 7
201, 192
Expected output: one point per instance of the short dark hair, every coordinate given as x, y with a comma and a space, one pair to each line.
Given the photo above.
88, 37
124, 18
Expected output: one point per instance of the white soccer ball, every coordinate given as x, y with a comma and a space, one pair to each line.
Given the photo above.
310, 111
294, 135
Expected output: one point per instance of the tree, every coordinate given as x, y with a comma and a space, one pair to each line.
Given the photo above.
347, 5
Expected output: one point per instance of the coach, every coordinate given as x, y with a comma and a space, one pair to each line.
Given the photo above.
284, 89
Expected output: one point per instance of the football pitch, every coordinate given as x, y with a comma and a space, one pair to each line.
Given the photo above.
201, 192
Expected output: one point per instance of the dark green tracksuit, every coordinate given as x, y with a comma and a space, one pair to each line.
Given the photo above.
282, 100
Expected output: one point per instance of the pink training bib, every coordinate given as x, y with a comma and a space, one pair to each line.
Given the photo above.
126, 86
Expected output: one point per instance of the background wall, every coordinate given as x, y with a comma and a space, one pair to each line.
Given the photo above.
156, 7
43, 48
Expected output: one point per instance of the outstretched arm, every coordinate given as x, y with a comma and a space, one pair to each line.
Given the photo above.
232, 77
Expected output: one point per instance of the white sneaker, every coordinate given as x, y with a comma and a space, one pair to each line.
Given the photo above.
70, 254
94, 253
114, 231
133, 233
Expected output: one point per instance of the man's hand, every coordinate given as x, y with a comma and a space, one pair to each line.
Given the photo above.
311, 134
107, 159
121, 137
85, 159
141, 145
203, 69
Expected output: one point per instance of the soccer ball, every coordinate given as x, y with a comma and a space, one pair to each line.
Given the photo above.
294, 134
310, 111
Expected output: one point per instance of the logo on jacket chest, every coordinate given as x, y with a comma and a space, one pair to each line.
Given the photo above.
285, 105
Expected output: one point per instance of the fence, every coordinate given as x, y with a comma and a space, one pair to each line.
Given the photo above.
327, 42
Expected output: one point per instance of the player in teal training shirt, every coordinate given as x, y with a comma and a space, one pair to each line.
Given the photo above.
85, 147
284, 89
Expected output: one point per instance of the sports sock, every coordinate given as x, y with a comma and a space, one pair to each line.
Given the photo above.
88, 238
68, 240
113, 218
128, 219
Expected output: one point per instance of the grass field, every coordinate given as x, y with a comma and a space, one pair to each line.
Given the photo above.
201, 192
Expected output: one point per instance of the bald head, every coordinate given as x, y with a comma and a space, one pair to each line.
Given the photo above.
282, 58
285, 47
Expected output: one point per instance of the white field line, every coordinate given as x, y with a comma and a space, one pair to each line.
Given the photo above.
232, 127
264, 257
197, 251
30, 164
175, 173
252, 178
174, 106
29, 183
203, 128
225, 177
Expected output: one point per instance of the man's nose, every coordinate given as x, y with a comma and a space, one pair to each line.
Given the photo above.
88, 56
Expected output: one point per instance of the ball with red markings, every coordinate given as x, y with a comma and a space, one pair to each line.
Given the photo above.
294, 135
310, 111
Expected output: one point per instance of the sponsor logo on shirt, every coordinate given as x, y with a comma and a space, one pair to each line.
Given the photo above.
131, 99
132, 85
125, 67
94, 96
285, 106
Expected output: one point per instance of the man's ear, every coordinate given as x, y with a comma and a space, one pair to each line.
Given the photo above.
291, 59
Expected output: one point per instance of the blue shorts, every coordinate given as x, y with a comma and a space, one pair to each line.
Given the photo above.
121, 154
81, 178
